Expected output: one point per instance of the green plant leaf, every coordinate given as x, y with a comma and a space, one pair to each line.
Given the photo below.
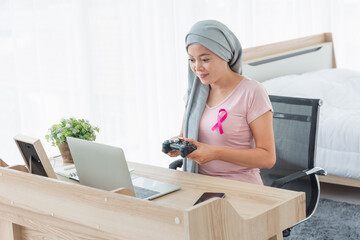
83, 129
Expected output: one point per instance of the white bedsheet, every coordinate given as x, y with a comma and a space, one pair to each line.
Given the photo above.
338, 143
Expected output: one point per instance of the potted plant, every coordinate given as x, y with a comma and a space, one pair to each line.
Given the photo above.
72, 127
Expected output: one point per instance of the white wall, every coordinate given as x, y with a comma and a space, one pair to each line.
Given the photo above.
122, 64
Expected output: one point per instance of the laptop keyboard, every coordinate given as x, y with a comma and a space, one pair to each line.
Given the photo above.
68, 172
144, 192
74, 175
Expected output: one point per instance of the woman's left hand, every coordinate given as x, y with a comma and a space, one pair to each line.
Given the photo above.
203, 154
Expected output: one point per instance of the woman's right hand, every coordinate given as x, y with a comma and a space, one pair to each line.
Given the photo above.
174, 153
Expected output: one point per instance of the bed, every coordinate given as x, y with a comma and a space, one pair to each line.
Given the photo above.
306, 67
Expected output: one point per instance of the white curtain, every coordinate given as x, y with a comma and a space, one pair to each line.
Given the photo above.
123, 65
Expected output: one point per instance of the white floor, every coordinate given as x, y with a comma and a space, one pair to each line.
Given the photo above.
340, 193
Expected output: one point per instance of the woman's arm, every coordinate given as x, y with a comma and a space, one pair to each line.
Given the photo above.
262, 156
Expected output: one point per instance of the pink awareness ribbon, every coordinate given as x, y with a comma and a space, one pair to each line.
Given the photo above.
219, 121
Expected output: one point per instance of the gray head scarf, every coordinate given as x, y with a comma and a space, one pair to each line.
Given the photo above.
216, 37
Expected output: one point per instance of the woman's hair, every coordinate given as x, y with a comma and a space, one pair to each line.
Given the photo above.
218, 38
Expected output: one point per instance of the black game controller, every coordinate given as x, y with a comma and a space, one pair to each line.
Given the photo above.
185, 148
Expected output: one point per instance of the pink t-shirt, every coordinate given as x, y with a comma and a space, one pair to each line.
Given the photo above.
248, 101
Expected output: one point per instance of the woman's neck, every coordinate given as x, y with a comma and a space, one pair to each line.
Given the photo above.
228, 82
221, 90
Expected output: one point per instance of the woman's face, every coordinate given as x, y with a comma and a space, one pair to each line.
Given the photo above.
206, 65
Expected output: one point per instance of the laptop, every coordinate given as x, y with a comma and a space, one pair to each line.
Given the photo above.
105, 167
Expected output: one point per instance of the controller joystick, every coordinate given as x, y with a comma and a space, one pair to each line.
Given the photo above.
185, 148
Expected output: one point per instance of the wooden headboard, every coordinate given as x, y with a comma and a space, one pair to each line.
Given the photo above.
289, 57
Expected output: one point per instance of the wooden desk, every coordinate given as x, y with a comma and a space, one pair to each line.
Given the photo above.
34, 207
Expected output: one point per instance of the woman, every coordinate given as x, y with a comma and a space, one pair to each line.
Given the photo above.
228, 117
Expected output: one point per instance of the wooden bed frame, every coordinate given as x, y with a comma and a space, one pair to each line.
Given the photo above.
294, 57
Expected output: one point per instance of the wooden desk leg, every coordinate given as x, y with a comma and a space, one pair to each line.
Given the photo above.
277, 237
9, 231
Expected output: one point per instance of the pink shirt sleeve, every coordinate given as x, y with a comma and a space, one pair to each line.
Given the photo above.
259, 103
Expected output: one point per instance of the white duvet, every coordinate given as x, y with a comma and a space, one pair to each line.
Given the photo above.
338, 142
